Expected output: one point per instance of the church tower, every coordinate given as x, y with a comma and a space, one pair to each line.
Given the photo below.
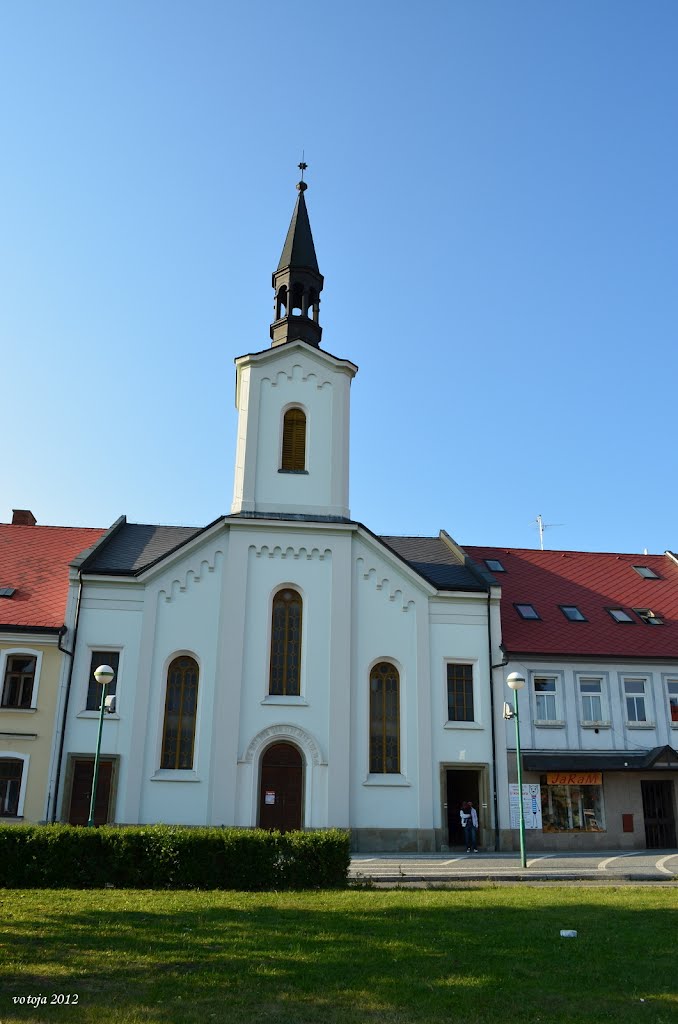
293, 399
297, 282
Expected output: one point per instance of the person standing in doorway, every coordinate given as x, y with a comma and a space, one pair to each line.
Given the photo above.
469, 822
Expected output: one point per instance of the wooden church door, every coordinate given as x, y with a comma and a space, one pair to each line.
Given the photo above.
280, 794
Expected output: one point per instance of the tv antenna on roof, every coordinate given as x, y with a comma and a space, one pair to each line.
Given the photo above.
541, 526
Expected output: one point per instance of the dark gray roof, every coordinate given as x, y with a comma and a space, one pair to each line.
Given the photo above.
298, 250
130, 548
290, 517
436, 562
134, 547
598, 761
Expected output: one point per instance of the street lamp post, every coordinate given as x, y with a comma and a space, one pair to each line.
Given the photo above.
516, 682
103, 675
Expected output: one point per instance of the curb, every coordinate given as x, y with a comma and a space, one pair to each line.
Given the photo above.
511, 876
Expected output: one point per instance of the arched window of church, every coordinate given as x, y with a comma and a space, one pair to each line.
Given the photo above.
294, 440
384, 719
181, 703
285, 678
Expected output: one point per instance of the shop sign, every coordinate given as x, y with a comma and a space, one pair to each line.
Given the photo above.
574, 778
531, 805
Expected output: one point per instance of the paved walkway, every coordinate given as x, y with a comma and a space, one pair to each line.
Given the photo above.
610, 867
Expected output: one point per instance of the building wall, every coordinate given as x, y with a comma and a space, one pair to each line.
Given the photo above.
269, 384
570, 732
360, 606
27, 733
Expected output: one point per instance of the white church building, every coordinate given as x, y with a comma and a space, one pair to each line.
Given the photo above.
283, 666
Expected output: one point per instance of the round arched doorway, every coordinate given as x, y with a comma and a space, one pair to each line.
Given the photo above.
280, 790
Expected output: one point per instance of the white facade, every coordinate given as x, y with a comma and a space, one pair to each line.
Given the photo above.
211, 599
601, 721
268, 384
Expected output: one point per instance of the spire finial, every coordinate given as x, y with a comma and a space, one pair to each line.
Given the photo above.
302, 186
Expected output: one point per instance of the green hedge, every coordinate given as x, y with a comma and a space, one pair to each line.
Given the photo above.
171, 857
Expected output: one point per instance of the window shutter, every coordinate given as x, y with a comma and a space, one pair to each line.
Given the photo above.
294, 440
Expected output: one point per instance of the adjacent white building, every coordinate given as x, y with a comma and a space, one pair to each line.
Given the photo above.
595, 637
284, 666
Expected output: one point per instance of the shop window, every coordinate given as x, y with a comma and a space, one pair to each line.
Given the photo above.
572, 809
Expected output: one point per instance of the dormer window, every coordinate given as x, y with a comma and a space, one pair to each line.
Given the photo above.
571, 612
293, 458
619, 615
646, 572
527, 611
649, 617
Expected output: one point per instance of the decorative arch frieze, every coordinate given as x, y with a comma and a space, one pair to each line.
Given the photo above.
278, 551
296, 373
189, 578
393, 590
280, 733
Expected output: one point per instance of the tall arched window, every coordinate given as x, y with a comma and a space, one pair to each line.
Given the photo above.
294, 440
384, 719
180, 711
286, 644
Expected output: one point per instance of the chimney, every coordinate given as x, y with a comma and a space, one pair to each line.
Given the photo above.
23, 517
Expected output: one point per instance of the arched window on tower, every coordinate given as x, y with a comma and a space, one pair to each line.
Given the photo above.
384, 719
281, 303
181, 703
297, 299
294, 440
285, 677
313, 304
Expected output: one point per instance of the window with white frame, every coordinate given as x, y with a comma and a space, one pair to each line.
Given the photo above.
672, 687
19, 682
459, 693
634, 691
94, 689
591, 693
11, 772
545, 698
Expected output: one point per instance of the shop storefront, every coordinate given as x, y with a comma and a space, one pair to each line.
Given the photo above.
590, 800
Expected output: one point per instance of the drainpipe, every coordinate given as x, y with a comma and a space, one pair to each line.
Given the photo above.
493, 731
51, 816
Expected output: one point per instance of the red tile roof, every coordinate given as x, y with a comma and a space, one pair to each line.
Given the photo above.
592, 582
35, 560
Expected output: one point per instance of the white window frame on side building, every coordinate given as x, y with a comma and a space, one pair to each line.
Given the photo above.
18, 652
14, 755
635, 687
671, 684
540, 700
588, 721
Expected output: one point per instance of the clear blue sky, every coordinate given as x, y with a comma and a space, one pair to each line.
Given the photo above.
492, 191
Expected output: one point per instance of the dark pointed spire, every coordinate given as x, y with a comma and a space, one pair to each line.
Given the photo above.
297, 281
299, 250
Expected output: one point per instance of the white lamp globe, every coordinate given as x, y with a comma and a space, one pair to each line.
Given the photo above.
104, 674
515, 681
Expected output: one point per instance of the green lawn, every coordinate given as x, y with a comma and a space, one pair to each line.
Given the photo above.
349, 957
